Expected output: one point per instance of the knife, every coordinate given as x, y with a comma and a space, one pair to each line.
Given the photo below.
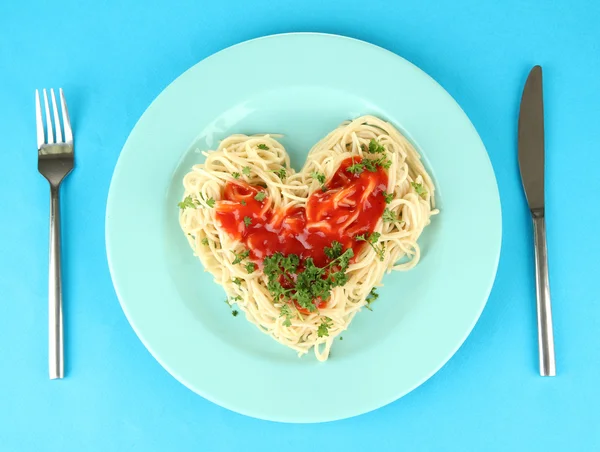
531, 165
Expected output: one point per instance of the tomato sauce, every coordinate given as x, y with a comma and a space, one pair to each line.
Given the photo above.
350, 204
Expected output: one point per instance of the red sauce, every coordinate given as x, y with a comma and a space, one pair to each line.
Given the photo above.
351, 205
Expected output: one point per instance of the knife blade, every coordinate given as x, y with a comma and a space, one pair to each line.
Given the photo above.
531, 166
531, 140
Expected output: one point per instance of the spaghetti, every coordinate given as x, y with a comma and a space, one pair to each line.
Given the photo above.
299, 253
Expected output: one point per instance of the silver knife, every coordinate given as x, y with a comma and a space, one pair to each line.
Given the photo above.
531, 164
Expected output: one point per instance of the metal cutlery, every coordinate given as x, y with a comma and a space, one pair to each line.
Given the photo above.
55, 161
531, 164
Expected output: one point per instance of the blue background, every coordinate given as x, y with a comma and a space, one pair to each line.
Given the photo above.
113, 57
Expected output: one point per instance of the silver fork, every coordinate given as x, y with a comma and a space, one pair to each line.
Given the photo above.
55, 161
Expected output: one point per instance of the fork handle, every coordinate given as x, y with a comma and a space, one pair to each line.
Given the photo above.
55, 320
544, 309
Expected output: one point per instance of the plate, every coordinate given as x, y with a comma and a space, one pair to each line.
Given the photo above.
301, 85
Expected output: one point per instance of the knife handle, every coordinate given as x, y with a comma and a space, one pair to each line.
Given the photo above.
544, 308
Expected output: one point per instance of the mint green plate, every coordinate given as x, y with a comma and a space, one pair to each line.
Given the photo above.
303, 86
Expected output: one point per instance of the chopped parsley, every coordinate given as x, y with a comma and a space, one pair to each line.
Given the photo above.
234, 313
277, 262
390, 216
235, 175
204, 241
356, 168
286, 311
319, 176
281, 172
369, 165
375, 147
388, 197
187, 202
237, 281
341, 338
260, 196
233, 300
247, 221
335, 251
372, 239
246, 170
240, 257
308, 286
381, 161
263, 146
373, 295
250, 267
419, 189
323, 329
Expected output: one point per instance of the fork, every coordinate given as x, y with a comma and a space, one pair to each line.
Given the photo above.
55, 161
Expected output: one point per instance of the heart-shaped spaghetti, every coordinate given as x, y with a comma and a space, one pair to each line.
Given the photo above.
301, 253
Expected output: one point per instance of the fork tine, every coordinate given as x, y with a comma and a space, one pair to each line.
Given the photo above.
39, 124
56, 120
48, 119
65, 115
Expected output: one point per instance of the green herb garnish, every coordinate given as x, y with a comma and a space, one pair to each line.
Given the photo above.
236, 175
286, 311
237, 281
210, 202
263, 146
187, 202
240, 257
419, 189
323, 329
308, 286
372, 239
281, 172
234, 313
373, 295
319, 176
375, 147
381, 161
369, 165
204, 241
247, 221
260, 196
388, 197
389, 216
356, 168
335, 251
250, 267
246, 170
